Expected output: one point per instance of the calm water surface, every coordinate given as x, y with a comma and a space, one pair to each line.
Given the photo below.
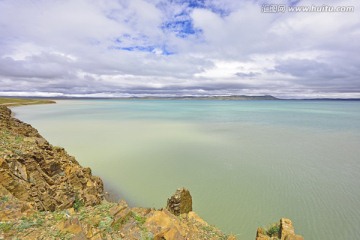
246, 163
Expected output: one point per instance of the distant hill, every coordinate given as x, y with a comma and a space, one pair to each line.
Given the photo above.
231, 97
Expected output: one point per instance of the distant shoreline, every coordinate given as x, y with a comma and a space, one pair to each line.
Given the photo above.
29, 100
13, 102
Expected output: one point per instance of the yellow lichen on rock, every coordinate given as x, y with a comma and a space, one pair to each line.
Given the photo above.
34, 171
283, 230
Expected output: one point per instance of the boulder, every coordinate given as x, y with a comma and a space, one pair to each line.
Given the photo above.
180, 202
164, 225
284, 231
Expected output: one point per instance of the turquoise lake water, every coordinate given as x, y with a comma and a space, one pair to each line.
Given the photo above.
246, 163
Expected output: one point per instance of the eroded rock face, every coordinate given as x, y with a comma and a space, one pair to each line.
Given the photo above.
104, 221
34, 171
287, 230
180, 202
284, 230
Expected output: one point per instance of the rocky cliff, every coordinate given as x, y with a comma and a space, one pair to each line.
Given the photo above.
103, 221
34, 171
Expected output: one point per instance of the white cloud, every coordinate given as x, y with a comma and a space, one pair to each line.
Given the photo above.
161, 47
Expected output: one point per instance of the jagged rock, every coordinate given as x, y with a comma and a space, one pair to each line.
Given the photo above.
14, 210
284, 230
164, 226
121, 213
180, 202
122, 205
231, 237
104, 221
33, 170
287, 230
286, 227
71, 225
261, 234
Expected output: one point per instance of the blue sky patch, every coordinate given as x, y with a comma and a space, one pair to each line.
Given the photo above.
191, 4
162, 50
182, 28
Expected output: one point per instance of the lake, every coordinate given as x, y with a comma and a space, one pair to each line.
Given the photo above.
246, 163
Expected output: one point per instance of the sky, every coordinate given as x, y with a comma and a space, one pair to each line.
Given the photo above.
122, 48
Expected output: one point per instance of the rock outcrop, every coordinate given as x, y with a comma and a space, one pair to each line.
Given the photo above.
180, 202
284, 230
34, 171
103, 221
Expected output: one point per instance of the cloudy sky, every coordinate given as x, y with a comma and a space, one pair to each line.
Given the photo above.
177, 47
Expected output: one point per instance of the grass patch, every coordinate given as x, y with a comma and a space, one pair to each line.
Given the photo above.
18, 139
120, 222
78, 203
59, 216
212, 231
147, 236
26, 223
104, 206
105, 224
6, 226
139, 219
61, 235
23, 101
207, 228
4, 198
83, 215
272, 231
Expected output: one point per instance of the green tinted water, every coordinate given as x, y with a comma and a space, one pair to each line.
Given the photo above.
246, 163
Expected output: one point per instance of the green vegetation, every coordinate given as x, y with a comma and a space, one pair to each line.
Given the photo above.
61, 235
22, 225
147, 236
212, 231
78, 203
4, 198
5, 226
18, 139
11, 142
103, 207
26, 223
139, 219
22, 101
273, 230
105, 224
120, 222
59, 216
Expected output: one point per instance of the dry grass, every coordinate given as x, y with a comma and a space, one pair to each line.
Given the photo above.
23, 101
